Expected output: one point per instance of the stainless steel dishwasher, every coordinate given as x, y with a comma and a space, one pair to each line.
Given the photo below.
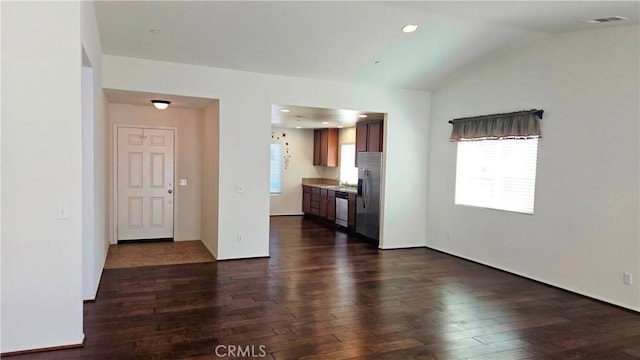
342, 208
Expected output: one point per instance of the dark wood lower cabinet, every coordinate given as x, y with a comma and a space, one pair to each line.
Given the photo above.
306, 199
331, 206
315, 201
323, 203
351, 218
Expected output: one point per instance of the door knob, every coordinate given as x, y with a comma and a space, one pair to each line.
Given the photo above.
170, 191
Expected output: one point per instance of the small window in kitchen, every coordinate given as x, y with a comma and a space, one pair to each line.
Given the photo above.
348, 172
275, 177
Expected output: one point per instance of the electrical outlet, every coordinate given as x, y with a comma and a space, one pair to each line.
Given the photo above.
183, 182
240, 238
449, 235
627, 279
239, 189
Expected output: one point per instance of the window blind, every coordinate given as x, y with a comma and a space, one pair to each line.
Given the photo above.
275, 176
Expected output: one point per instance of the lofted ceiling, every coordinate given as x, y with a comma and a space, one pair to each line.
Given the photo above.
341, 40
346, 41
304, 117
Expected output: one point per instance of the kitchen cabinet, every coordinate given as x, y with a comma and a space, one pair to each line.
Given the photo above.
331, 205
369, 137
325, 147
374, 137
306, 199
317, 139
351, 219
314, 207
361, 137
323, 203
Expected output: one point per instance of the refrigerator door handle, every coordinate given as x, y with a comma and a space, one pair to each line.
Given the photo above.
366, 187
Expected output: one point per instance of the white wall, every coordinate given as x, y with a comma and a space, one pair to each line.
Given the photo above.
210, 174
188, 159
245, 108
95, 243
88, 217
585, 230
41, 169
300, 141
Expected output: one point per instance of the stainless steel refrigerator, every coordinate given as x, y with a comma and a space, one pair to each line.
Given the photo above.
368, 200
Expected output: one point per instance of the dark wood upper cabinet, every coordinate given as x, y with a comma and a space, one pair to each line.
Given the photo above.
374, 137
361, 137
325, 147
369, 137
316, 147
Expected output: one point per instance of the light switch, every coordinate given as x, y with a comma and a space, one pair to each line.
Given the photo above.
183, 182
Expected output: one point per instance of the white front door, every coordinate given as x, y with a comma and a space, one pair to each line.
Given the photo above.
145, 183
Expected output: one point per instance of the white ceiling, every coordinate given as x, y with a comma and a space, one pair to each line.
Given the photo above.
335, 40
340, 41
144, 99
314, 118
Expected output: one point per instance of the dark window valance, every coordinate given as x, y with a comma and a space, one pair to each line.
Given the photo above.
515, 125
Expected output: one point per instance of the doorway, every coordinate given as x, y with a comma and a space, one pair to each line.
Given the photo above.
145, 183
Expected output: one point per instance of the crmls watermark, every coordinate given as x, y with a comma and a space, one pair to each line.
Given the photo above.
233, 351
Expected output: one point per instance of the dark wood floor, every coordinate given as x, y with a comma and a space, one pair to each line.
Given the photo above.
325, 295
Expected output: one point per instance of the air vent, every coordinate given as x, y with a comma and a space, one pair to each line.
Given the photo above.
605, 20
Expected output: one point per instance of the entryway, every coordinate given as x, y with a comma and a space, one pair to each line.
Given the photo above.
157, 253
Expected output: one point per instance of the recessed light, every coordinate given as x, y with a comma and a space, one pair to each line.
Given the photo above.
409, 28
298, 127
362, 116
339, 126
325, 122
285, 110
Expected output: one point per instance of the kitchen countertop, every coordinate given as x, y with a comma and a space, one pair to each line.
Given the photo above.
328, 184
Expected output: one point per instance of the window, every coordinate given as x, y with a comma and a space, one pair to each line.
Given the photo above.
275, 177
348, 170
497, 174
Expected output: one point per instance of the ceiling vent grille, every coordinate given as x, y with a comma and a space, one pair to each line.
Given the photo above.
606, 20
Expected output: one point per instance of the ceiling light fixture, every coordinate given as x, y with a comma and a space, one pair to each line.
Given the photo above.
339, 126
362, 116
285, 110
604, 20
325, 122
298, 127
409, 28
161, 104
378, 62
